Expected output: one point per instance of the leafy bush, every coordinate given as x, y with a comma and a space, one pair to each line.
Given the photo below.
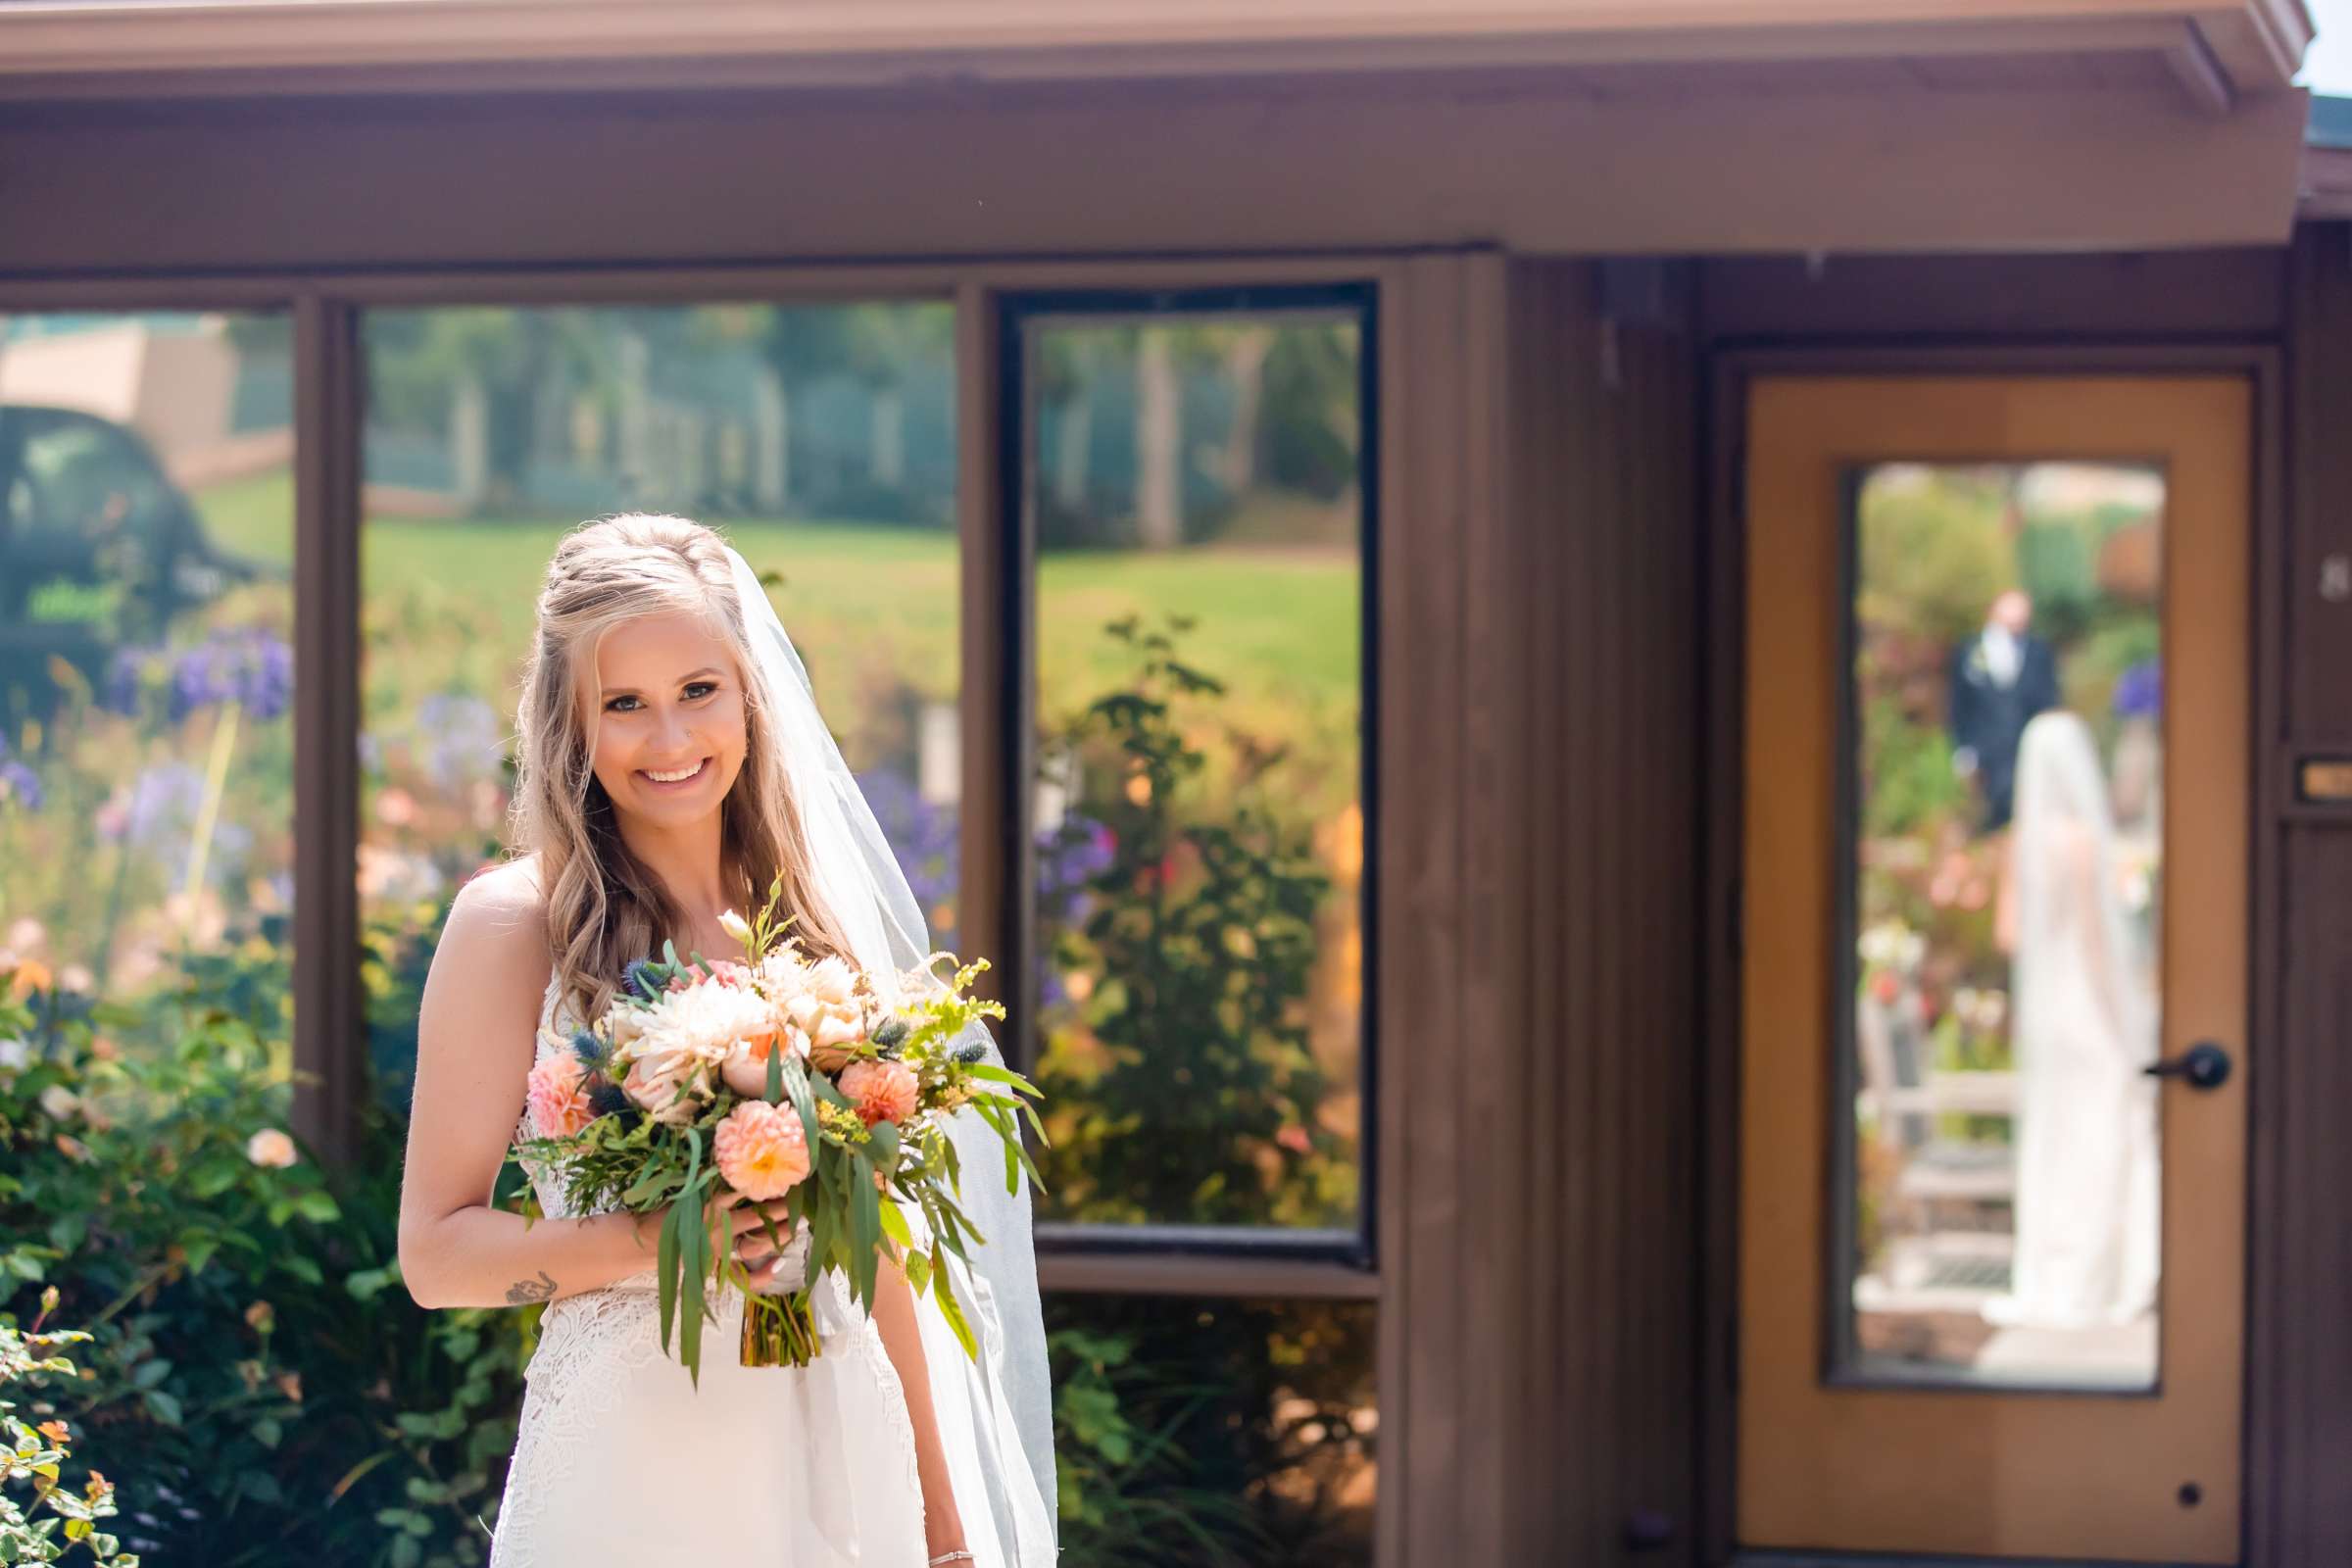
253, 1365
1181, 1087
36, 1453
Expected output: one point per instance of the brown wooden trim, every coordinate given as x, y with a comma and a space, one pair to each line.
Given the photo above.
1181, 1277
1386, 832
657, 179
590, 284
330, 1021
2258, 42
2299, 1380
1912, 300
982, 541
1723, 849
2326, 184
2279, 1475
2203, 81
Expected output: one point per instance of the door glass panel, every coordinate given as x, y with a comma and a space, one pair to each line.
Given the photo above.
1996, 1213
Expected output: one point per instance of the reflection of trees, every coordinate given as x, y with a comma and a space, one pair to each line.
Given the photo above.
692, 408
1155, 434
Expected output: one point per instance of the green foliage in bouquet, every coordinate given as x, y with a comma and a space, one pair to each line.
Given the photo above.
865, 1176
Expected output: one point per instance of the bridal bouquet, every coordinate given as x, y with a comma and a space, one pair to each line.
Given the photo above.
780, 1075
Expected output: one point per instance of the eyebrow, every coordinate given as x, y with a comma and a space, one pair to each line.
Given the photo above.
692, 674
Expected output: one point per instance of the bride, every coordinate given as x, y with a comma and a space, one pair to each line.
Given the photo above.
672, 763
2085, 1026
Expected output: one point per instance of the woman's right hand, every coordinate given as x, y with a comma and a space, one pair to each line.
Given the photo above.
753, 1248
745, 1227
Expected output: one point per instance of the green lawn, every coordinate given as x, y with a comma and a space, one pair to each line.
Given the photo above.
1280, 625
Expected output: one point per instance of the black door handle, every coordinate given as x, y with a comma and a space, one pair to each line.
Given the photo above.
2204, 1065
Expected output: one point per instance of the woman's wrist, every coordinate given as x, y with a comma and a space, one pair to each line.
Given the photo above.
942, 1528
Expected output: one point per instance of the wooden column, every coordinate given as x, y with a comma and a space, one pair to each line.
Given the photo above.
1538, 907
329, 1025
2299, 1381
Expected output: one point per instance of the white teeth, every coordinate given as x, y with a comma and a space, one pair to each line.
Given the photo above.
673, 778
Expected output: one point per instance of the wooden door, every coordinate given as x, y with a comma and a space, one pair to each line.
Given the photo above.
1992, 1270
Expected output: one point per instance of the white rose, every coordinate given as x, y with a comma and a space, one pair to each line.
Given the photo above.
60, 1101
832, 982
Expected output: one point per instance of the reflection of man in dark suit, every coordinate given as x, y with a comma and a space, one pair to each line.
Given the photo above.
2000, 679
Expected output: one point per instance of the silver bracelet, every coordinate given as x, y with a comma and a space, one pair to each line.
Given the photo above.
953, 1556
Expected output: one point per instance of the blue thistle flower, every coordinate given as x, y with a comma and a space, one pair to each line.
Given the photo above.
973, 1055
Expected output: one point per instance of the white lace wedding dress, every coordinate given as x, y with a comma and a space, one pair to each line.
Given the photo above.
620, 1460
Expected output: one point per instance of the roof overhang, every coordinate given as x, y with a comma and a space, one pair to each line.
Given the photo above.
2215, 52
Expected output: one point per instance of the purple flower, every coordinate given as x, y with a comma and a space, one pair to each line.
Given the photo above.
248, 667
1067, 861
125, 679
159, 821
19, 785
922, 834
2139, 691
461, 738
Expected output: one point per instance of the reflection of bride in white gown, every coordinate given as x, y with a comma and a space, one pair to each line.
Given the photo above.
2085, 1024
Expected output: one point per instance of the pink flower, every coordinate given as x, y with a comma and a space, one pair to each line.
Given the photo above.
557, 1095
882, 1091
743, 1069
760, 1150
270, 1147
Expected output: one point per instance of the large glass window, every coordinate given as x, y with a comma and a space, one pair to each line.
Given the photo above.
2002, 1169
1192, 484
1214, 1433
819, 438
146, 679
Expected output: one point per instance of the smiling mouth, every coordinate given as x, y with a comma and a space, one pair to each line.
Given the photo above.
676, 776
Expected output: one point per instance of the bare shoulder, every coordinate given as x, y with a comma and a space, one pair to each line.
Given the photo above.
500, 897
497, 927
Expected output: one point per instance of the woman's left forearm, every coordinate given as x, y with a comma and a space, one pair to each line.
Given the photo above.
903, 1339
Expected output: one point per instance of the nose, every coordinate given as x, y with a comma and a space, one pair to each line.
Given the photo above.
674, 734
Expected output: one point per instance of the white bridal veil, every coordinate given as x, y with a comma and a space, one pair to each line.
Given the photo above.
996, 1415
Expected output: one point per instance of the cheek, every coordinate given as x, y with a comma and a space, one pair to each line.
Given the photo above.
731, 734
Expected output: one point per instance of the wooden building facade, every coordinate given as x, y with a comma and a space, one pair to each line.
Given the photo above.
1667, 300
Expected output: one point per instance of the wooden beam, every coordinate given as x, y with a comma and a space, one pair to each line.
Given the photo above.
2258, 42
2202, 80
1395, 163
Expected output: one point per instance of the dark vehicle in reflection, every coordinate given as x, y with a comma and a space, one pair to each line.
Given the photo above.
99, 549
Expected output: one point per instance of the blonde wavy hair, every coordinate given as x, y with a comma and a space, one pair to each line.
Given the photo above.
604, 906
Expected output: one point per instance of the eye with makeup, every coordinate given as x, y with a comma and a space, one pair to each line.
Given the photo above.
694, 691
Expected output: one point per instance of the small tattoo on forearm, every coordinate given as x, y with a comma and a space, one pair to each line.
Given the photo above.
522, 1293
